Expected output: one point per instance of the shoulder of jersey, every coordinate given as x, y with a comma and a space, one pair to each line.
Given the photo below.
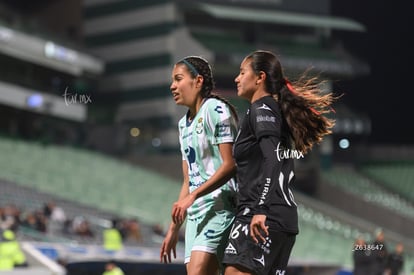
264, 107
213, 101
216, 105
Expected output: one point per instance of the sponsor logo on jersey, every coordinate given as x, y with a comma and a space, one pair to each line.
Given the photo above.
230, 249
265, 107
223, 130
199, 126
187, 135
265, 191
265, 119
195, 184
261, 260
218, 109
265, 246
283, 153
209, 233
280, 272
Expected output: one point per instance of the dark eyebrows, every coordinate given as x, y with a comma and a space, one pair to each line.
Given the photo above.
177, 75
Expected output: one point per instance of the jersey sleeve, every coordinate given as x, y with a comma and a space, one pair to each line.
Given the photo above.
221, 123
265, 121
266, 124
271, 169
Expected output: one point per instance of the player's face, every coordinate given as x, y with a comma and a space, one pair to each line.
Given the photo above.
246, 80
183, 87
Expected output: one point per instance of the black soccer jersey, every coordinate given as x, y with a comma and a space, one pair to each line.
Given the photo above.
265, 167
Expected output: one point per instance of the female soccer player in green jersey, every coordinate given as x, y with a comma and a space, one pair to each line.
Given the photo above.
207, 198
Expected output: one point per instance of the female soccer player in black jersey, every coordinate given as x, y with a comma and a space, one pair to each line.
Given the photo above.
282, 123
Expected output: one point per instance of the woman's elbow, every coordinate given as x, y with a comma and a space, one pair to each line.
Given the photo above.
231, 168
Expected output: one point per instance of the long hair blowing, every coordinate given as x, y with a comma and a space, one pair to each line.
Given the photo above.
304, 106
303, 103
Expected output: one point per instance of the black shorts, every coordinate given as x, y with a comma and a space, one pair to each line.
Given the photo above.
266, 258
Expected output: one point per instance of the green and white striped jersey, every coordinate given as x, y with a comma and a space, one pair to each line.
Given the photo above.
199, 140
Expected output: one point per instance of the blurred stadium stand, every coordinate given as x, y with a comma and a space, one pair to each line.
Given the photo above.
66, 176
116, 153
351, 181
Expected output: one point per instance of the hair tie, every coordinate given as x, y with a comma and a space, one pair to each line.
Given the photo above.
191, 67
292, 90
289, 86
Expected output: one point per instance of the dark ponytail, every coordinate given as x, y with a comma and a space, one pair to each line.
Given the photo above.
303, 103
303, 106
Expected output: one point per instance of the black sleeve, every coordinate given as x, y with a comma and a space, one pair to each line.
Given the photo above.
265, 122
266, 125
271, 168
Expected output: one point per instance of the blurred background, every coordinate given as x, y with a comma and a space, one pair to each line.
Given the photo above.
89, 141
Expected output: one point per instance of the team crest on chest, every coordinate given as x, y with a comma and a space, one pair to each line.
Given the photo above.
199, 126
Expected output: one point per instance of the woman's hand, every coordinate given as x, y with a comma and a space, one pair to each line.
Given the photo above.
258, 228
179, 209
169, 245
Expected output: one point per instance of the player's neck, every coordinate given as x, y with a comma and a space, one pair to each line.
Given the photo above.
258, 95
192, 112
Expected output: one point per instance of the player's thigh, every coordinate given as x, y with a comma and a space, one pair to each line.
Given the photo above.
236, 270
203, 263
